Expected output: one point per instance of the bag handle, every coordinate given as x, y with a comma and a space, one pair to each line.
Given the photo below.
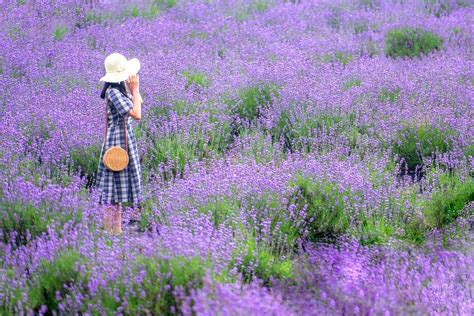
107, 123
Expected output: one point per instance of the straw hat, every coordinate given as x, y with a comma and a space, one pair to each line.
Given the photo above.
118, 68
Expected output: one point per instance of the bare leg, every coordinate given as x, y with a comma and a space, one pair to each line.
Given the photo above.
117, 221
108, 218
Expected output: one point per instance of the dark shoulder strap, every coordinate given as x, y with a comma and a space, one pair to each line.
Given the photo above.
125, 117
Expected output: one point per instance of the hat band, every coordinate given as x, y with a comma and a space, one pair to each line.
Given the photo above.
117, 69
115, 72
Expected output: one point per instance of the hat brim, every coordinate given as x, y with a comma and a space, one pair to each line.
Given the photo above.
132, 68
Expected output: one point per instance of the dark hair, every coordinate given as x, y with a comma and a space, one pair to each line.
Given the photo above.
119, 85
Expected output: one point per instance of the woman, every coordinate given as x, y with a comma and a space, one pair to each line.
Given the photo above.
121, 88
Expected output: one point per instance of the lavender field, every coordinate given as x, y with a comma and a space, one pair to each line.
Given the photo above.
299, 158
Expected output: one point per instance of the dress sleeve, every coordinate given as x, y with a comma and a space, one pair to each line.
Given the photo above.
121, 102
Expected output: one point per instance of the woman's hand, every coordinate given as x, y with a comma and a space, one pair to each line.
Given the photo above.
133, 83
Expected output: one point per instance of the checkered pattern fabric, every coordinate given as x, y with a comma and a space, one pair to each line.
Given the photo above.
119, 186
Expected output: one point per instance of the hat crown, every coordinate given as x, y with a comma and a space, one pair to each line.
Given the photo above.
118, 68
115, 63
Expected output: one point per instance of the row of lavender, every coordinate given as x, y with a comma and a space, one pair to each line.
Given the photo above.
188, 263
270, 128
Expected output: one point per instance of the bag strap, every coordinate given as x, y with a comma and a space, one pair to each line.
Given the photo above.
107, 122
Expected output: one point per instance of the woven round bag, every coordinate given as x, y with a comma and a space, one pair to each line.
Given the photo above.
115, 158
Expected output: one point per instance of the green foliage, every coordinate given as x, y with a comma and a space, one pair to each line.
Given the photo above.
413, 143
258, 209
150, 11
12, 292
374, 230
91, 17
353, 135
326, 206
200, 35
14, 32
343, 58
360, 27
261, 148
86, 161
386, 95
355, 82
135, 12
284, 130
37, 134
284, 231
340, 57
298, 134
148, 214
17, 72
285, 228
324, 122
258, 261
223, 210
370, 47
176, 272
253, 7
195, 78
441, 8
448, 199
369, 4
168, 4
251, 100
221, 53
59, 32
415, 232
260, 6
155, 293
411, 42
334, 19
129, 12
55, 276
469, 151
184, 271
181, 272
62, 82
178, 107
263, 206
146, 218
26, 221
49, 62
176, 150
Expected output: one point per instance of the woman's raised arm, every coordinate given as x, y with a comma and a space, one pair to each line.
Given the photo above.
133, 84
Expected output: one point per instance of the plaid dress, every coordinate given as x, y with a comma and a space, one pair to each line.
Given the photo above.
119, 186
